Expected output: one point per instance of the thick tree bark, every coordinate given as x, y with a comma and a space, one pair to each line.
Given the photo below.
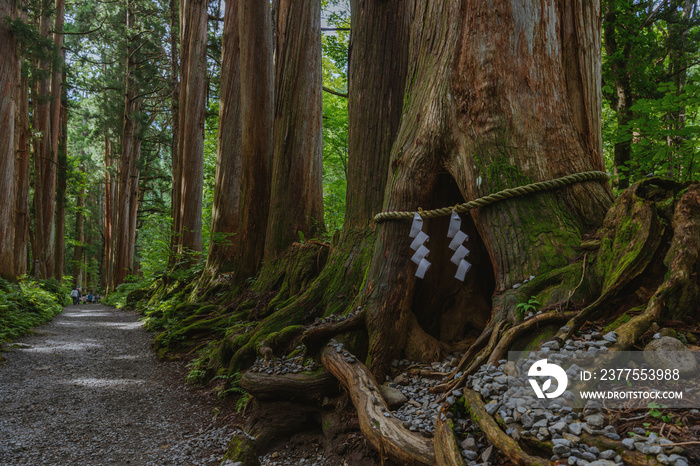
257, 120
377, 79
8, 94
193, 43
44, 165
503, 94
227, 189
22, 169
296, 197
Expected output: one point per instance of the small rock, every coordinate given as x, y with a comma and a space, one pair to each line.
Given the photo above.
393, 396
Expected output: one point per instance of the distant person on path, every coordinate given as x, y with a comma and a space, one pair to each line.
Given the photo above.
90, 297
75, 294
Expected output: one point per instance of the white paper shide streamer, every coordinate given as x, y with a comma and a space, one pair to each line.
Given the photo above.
419, 238
457, 245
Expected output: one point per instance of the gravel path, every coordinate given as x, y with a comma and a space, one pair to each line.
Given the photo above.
87, 389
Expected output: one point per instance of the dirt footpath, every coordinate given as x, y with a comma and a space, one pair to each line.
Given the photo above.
87, 389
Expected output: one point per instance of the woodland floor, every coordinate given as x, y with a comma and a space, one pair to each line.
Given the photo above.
86, 388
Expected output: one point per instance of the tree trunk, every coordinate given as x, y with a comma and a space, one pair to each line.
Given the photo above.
174, 149
622, 99
227, 189
79, 230
378, 65
504, 94
109, 214
193, 42
44, 165
8, 107
22, 168
257, 122
128, 168
62, 172
296, 197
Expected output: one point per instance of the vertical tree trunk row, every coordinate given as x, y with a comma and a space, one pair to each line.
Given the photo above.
175, 118
109, 214
296, 196
79, 230
227, 188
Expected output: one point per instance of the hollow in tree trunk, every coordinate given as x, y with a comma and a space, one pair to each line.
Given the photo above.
503, 94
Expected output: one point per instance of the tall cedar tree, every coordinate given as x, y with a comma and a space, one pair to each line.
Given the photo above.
8, 76
227, 189
257, 122
296, 197
193, 43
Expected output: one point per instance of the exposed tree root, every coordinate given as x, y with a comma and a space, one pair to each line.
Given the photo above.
267, 422
679, 294
386, 434
315, 337
304, 387
496, 436
447, 451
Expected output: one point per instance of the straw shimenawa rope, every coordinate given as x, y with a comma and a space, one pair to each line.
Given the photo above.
495, 197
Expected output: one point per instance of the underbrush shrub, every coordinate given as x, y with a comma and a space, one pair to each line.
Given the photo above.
28, 303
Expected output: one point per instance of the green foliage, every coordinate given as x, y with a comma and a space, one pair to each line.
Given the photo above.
530, 306
28, 303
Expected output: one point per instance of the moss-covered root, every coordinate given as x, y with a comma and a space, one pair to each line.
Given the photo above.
447, 451
631, 235
267, 422
496, 436
678, 295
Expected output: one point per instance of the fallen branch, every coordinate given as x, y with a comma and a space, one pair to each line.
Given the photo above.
386, 434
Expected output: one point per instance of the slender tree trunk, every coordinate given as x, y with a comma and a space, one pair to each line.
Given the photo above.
8, 75
174, 149
227, 188
622, 100
60, 246
22, 167
257, 122
502, 94
44, 165
128, 168
191, 131
296, 197
109, 214
79, 229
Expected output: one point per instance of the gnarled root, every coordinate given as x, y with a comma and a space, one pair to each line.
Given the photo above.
386, 434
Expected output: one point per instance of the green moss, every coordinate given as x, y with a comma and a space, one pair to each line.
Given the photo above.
241, 448
623, 319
